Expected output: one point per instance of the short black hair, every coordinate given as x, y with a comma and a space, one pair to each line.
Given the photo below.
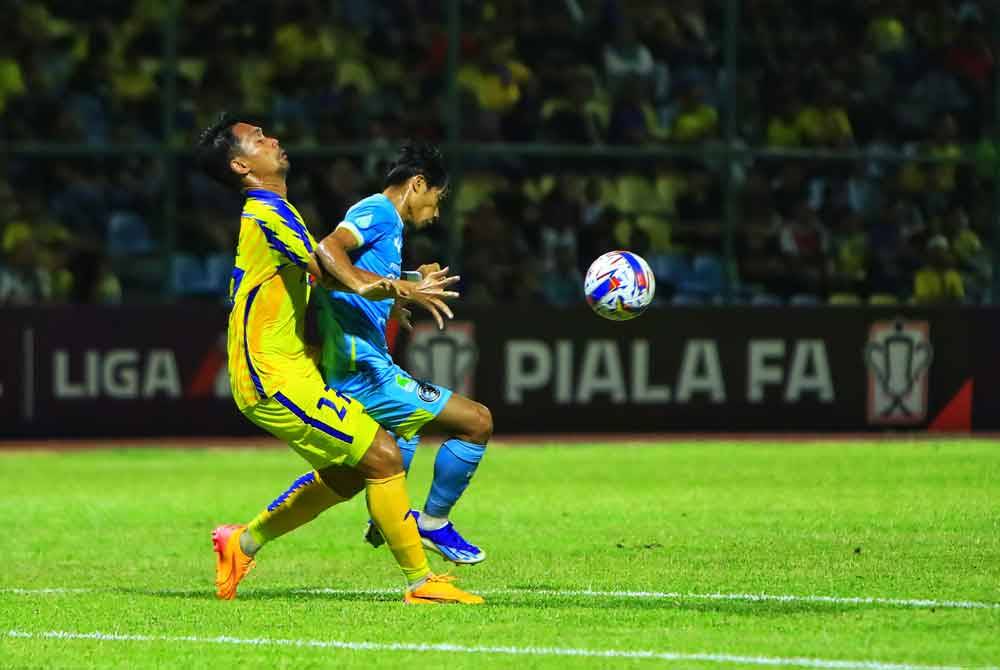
417, 158
216, 147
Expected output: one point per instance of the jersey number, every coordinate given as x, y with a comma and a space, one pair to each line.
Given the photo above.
340, 411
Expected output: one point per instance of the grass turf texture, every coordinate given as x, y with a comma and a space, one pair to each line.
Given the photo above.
894, 520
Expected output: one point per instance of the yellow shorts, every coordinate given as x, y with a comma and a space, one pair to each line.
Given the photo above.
324, 426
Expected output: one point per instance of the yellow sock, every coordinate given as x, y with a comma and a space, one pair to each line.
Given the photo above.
389, 506
300, 504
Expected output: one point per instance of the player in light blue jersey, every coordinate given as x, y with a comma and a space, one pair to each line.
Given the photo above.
366, 243
356, 357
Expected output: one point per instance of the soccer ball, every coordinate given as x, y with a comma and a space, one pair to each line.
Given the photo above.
619, 285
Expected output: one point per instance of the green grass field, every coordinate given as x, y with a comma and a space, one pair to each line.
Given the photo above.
120, 539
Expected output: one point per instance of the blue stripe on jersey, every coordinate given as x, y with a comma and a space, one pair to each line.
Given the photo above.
307, 478
290, 220
281, 207
236, 279
309, 421
246, 347
275, 243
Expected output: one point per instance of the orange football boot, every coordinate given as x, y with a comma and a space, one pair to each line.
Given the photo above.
438, 589
231, 564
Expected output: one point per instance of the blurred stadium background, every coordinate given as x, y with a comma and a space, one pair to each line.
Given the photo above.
815, 184
793, 172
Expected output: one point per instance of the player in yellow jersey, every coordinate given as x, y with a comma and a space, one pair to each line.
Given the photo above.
278, 387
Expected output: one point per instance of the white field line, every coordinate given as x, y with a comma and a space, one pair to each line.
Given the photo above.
663, 595
588, 593
487, 650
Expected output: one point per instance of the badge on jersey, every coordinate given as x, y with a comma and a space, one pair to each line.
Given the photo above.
405, 383
428, 392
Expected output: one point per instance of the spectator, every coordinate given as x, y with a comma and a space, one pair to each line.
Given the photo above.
884, 74
963, 240
934, 183
563, 283
970, 57
11, 76
987, 154
577, 117
971, 259
56, 247
560, 222
633, 118
886, 30
591, 202
825, 122
496, 77
890, 238
804, 242
783, 130
23, 279
693, 119
850, 256
938, 283
626, 58
599, 237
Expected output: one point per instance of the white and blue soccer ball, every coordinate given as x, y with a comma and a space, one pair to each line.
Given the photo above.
619, 285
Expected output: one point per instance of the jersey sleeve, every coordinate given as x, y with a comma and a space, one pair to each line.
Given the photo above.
286, 234
368, 223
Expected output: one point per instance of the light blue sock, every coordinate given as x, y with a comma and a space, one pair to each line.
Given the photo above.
454, 466
406, 449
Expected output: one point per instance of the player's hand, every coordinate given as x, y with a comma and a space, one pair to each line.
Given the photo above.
431, 293
382, 289
428, 268
436, 280
402, 315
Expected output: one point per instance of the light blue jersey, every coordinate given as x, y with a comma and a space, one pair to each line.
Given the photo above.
356, 357
360, 346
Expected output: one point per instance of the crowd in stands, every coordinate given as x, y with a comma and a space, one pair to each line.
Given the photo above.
897, 81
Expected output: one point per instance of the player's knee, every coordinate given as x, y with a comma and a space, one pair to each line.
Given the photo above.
382, 458
342, 480
481, 429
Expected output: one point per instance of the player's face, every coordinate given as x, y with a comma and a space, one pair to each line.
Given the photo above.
425, 203
260, 155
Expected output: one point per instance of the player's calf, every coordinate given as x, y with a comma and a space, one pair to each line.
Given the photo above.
471, 425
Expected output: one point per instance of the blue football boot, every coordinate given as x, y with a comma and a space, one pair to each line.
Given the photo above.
447, 542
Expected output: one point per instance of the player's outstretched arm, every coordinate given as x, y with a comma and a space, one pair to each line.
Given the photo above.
337, 269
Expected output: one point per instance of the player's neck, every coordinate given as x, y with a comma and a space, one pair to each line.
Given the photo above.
274, 184
395, 195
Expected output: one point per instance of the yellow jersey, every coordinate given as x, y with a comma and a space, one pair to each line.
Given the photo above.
268, 294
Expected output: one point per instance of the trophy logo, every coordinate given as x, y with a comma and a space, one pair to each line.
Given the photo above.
447, 358
898, 357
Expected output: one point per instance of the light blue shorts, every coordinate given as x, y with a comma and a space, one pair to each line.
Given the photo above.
401, 403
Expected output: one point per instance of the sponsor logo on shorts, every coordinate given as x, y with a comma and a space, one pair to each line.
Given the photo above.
428, 392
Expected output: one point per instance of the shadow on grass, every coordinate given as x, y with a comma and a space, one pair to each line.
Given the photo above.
539, 601
255, 594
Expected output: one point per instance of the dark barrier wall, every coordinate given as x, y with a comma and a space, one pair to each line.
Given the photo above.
150, 371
